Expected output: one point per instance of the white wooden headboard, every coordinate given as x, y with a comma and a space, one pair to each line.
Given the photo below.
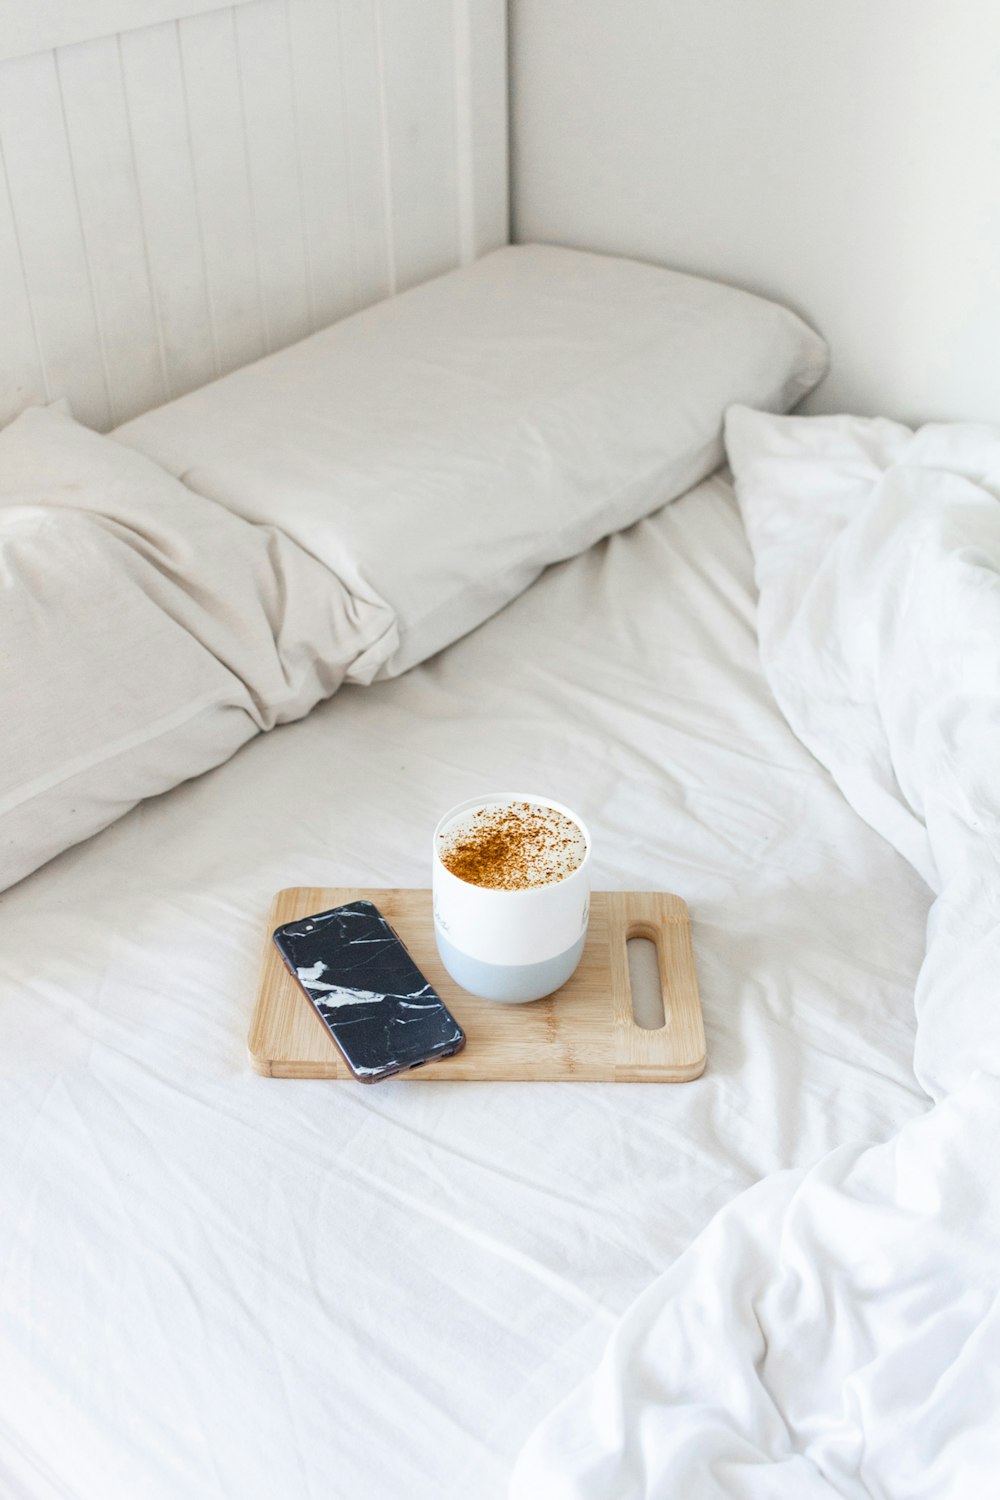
188, 184
842, 156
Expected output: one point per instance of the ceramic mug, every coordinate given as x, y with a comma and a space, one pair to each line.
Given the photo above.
511, 946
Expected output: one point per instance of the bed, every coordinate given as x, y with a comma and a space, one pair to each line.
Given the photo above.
222, 1284
219, 1284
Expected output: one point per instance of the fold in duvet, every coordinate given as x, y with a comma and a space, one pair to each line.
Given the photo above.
835, 1330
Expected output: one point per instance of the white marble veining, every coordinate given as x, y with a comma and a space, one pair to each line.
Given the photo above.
379, 1009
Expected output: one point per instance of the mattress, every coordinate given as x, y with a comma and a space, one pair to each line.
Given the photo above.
215, 1284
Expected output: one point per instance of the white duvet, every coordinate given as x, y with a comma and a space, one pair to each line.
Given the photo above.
835, 1331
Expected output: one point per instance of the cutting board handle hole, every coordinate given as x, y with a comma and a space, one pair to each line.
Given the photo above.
645, 985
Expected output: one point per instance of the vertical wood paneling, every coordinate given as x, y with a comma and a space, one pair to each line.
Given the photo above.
40, 25
43, 196
24, 375
486, 31
213, 101
96, 116
178, 199
317, 66
360, 71
275, 172
465, 187
160, 147
418, 45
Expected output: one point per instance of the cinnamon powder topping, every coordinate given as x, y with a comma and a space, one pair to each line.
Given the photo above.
512, 847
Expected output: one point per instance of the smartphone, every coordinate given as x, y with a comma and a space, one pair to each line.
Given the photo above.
377, 1006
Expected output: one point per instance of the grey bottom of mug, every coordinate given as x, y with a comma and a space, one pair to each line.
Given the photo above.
513, 984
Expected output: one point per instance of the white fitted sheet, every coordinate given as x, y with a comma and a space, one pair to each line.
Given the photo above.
214, 1284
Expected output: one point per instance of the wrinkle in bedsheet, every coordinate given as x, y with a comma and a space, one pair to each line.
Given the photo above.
417, 1273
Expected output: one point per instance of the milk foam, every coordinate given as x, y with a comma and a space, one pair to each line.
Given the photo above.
512, 846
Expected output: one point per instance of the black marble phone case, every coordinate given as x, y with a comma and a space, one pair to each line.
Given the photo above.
378, 1007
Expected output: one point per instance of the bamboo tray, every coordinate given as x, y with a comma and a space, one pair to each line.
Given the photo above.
585, 1031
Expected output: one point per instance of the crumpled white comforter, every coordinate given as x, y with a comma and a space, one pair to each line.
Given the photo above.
835, 1331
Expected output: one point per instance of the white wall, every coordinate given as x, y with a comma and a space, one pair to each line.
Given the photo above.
179, 199
840, 155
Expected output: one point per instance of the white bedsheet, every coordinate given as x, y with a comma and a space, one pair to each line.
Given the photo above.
214, 1284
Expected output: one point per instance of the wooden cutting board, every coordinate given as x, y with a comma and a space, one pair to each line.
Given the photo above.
585, 1031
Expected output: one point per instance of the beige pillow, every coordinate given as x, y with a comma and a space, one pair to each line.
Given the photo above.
438, 450
145, 634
